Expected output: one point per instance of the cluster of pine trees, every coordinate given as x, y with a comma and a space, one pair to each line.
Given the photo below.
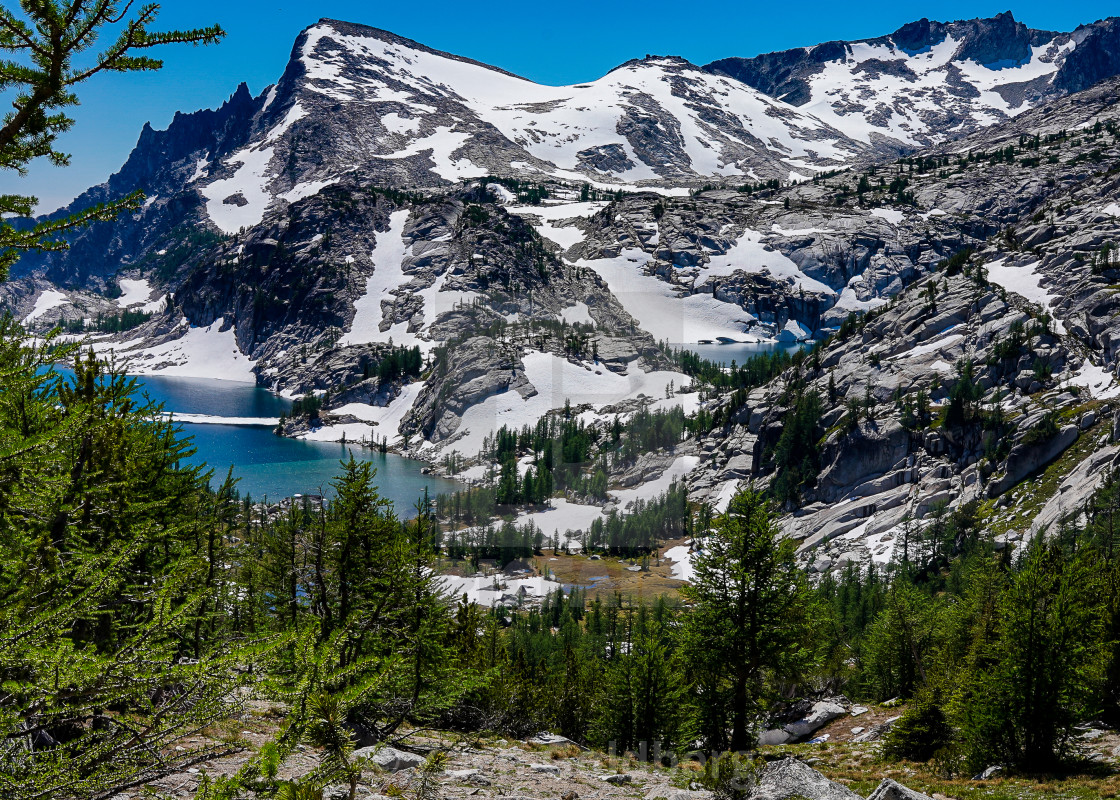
140, 607
999, 652
109, 323
565, 453
396, 363
638, 532
653, 675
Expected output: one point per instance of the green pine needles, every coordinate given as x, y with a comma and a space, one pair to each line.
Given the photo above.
108, 607
48, 51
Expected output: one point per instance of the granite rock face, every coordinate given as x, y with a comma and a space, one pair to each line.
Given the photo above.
388, 759
789, 778
893, 790
1031, 315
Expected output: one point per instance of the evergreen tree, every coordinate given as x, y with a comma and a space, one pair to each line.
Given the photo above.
1047, 661
105, 590
749, 621
797, 453
900, 641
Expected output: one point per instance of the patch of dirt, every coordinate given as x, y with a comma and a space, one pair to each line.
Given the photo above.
848, 727
479, 768
597, 576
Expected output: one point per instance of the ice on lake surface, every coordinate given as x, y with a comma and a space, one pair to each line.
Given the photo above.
269, 465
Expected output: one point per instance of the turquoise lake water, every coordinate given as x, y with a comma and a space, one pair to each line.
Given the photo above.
270, 466
273, 467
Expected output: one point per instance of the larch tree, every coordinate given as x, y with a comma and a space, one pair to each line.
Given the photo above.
47, 49
749, 624
103, 591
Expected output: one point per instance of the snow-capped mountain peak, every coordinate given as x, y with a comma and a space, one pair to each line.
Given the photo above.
359, 101
361, 98
930, 81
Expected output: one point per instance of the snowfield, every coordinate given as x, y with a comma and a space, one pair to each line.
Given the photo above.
377, 422
46, 301
247, 190
490, 590
579, 313
388, 276
388, 279
662, 310
939, 342
565, 521
208, 352
1024, 281
558, 125
650, 490
750, 255
556, 381
891, 215
919, 87
682, 557
1101, 383
133, 292
138, 292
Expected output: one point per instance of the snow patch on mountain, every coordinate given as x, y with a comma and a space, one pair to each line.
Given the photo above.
46, 301
395, 123
565, 521
663, 310
1024, 280
308, 189
682, 557
133, 292
545, 217
240, 201
862, 97
891, 215
441, 146
556, 381
294, 115
198, 352
578, 313
491, 590
378, 422
749, 254
1101, 383
388, 278
650, 490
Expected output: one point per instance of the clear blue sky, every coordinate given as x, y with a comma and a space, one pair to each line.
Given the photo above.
555, 42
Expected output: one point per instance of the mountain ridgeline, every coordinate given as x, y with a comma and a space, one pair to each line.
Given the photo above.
360, 101
1024, 66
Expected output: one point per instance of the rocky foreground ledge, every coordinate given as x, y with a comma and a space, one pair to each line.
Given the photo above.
559, 769
553, 768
